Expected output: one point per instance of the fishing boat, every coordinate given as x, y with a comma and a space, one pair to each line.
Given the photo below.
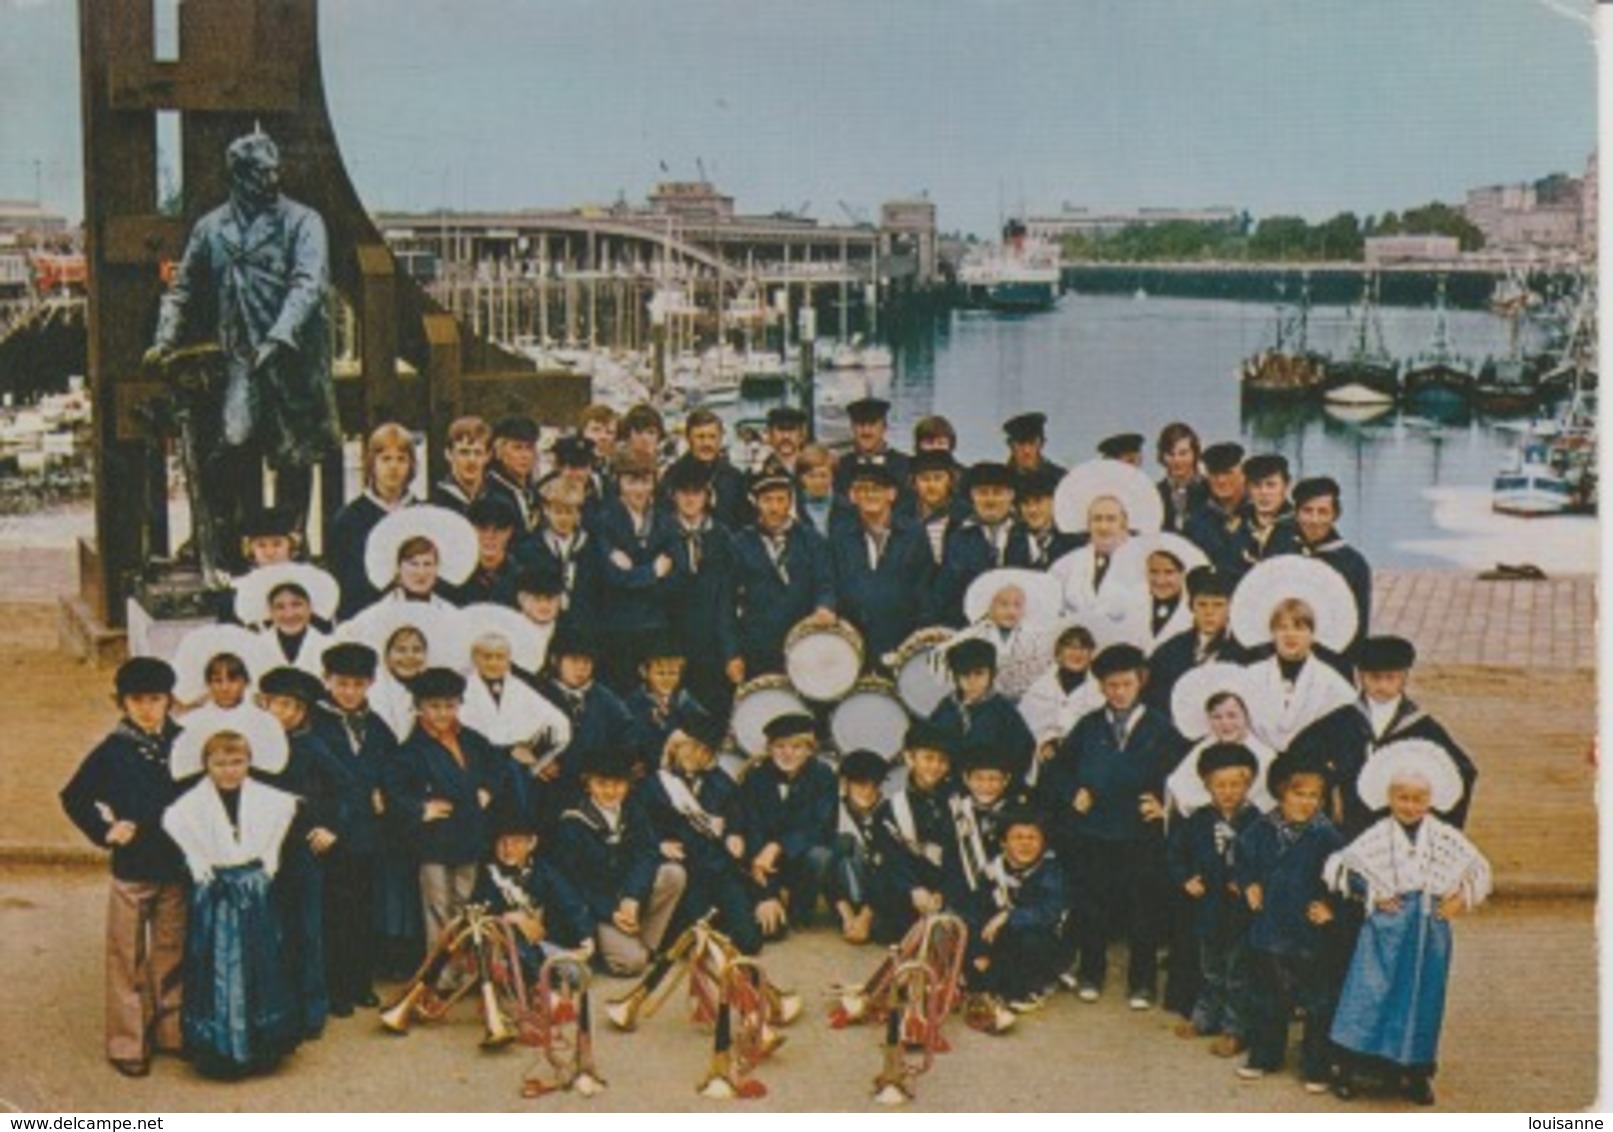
1439, 379
1020, 274
1289, 370
1510, 383
1367, 375
1554, 471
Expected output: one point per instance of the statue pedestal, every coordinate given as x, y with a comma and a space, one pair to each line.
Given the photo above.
169, 600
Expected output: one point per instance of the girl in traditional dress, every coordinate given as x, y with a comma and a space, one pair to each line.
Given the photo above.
1416, 874
240, 1009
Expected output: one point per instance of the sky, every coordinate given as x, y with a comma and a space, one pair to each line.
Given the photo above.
991, 107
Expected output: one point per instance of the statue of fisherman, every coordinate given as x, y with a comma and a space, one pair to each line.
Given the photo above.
255, 280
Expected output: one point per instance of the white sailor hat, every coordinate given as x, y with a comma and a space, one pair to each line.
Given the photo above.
1193, 692
198, 648
252, 590
1043, 595
527, 644
1092, 480
263, 733
1276, 580
441, 627
1410, 758
449, 531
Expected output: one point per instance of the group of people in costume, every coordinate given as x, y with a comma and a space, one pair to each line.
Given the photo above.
1160, 719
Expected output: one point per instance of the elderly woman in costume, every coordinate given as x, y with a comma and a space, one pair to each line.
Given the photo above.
240, 1007
1110, 501
1017, 611
1416, 874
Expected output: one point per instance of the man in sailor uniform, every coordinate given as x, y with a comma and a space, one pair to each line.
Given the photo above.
784, 575
883, 570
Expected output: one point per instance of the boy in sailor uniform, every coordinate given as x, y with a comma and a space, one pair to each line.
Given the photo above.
660, 704
607, 846
976, 711
1105, 786
862, 773
916, 837
528, 893
786, 824
470, 448
117, 798
1020, 910
1207, 640
692, 803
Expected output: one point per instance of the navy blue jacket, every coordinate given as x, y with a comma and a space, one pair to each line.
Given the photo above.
1220, 536
599, 720
581, 567
127, 773
314, 774
1198, 494
730, 493
1289, 873
608, 867
349, 531
969, 553
632, 599
1345, 736
523, 496
496, 586
804, 820
1281, 538
1041, 551
363, 768
1175, 658
425, 769
1037, 894
651, 727
1192, 850
566, 917
931, 860
771, 599
703, 851
1088, 758
700, 595
888, 603
993, 723
446, 492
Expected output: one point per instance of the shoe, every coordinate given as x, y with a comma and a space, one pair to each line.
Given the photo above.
1227, 1045
368, 1000
1027, 1003
1141, 1000
1069, 980
1344, 1089
1420, 1091
1250, 1073
1186, 1030
1316, 1088
1087, 993
132, 1066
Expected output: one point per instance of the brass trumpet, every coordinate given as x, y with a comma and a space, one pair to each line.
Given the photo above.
560, 1024
473, 939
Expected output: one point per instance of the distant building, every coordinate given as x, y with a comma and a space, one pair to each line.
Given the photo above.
697, 201
1587, 208
1071, 220
1548, 214
1411, 249
27, 222
909, 229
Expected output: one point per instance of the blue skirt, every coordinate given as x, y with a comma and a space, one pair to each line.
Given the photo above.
240, 1010
1393, 1003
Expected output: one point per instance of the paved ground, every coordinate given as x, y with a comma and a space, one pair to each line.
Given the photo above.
1456, 618
1521, 1035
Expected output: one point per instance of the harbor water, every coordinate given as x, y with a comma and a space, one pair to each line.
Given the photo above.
1416, 491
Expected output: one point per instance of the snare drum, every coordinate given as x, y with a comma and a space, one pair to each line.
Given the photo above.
871, 716
919, 683
823, 661
756, 703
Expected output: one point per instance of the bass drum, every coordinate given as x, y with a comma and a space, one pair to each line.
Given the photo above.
758, 702
823, 661
921, 684
871, 716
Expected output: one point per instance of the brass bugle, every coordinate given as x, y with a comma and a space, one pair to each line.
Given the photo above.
498, 1030
400, 1015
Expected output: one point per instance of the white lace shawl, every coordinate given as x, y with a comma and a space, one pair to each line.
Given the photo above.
1436, 863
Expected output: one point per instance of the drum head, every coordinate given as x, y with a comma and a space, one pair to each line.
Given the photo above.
756, 704
823, 665
871, 717
920, 685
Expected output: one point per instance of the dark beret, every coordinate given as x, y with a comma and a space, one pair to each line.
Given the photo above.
1118, 658
1385, 654
971, 654
293, 682
350, 658
1221, 756
524, 429
790, 724
1222, 457
1026, 426
493, 511
144, 676
1120, 444
990, 473
863, 765
866, 409
437, 684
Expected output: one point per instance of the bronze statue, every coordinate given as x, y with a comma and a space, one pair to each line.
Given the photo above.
255, 279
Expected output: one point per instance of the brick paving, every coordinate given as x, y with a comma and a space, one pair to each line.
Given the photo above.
1456, 618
